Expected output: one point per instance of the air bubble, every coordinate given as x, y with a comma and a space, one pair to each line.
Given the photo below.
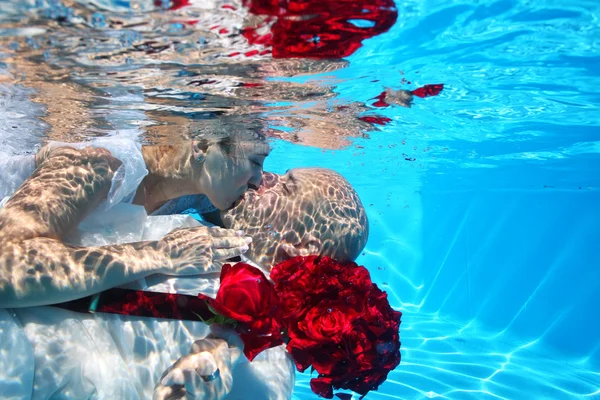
176, 28
98, 20
31, 42
128, 38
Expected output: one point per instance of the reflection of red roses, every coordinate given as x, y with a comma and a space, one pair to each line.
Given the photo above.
428, 90
375, 120
320, 28
246, 296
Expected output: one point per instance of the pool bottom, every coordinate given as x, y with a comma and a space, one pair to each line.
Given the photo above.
441, 361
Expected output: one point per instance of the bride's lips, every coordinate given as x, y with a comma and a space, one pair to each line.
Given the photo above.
239, 200
269, 181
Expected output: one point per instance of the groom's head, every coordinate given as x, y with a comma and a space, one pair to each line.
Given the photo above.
306, 211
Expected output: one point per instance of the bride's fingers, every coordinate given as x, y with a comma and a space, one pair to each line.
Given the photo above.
218, 348
175, 377
198, 375
211, 378
203, 363
234, 342
174, 392
206, 344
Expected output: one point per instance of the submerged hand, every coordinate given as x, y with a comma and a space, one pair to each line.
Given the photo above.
197, 250
205, 373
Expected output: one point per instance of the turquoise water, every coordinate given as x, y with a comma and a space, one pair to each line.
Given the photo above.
483, 201
485, 240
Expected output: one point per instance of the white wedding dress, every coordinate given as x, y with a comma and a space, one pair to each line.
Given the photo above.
52, 353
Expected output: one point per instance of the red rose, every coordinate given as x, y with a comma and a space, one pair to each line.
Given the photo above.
302, 356
379, 307
293, 304
374, 351
248, 297
331, 360
322, 277
290, 271
329, 277
326, 322
358, 277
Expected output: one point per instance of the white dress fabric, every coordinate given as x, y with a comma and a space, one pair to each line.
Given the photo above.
51, 353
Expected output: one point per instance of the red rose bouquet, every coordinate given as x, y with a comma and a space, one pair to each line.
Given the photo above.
336, 319
331, 315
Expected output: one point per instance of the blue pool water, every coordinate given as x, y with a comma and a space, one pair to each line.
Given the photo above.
486, 240
483, 201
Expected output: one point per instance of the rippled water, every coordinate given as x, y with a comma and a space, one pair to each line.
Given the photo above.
482, 200
441, 361
163, 74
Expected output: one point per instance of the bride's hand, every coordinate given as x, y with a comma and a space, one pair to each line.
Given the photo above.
198, 249
205, 373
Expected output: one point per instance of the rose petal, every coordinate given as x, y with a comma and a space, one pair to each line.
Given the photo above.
322, 387
428, 90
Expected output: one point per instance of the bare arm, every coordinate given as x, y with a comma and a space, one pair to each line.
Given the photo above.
42, 271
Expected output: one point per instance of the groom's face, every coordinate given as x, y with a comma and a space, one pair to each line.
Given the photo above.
306, 211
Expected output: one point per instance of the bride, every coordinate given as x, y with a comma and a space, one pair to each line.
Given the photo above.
49, 352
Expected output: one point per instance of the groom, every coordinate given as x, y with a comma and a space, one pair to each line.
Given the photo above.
306, 211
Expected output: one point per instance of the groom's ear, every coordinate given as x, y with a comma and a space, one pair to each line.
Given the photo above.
310, 246
313, 247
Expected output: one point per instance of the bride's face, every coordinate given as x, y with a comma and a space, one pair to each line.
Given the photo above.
228, 173
306, 211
